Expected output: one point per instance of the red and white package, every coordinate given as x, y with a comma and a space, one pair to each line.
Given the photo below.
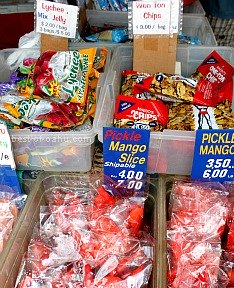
131, 112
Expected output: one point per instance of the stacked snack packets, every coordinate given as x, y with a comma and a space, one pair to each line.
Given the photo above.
88, 237
197, 217
161, 101
57, 90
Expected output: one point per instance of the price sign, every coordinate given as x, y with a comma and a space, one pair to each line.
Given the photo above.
7, 164
125, 154
151, 17
6, 156
56, 19
214, 155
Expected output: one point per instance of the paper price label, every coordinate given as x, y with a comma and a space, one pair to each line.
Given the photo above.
56, 19
6, 156
151, 17
214, 155
125, 154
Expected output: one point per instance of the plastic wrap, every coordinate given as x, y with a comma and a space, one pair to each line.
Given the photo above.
107, 244
197, 218
10, 205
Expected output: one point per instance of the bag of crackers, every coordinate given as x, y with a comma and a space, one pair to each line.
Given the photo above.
165, 101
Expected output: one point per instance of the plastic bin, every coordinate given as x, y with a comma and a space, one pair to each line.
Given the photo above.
194, 8
170, 151
54, 151
165, 185
11, 260
193, 25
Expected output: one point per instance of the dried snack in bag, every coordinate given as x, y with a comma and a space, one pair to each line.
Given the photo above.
177, 88
193, 117
129, 79
131, 112
106, 244
64, 75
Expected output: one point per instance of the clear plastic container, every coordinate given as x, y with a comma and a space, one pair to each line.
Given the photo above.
10, 260
50, 151
192, 25
170, 151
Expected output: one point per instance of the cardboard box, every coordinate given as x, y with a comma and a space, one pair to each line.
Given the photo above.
161, 49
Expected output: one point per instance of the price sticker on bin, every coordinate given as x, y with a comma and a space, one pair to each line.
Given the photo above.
125, 153
214, 155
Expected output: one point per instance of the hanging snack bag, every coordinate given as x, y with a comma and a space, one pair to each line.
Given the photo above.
131, 112
64, 75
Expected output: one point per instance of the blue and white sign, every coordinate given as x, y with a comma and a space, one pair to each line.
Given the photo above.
8, 174
125, 153
214, 155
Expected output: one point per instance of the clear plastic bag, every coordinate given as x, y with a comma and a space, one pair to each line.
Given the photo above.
197, 217
88, 237
10, 205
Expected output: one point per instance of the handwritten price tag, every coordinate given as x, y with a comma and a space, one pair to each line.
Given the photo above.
56, 19
151, 17
6, 156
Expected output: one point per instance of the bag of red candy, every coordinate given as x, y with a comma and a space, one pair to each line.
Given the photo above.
197, 217
89, 237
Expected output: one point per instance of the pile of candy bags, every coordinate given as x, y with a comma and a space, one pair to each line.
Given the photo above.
56, 91
88, 237
200, 251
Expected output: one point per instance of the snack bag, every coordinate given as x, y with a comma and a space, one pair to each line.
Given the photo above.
106, 242
226, 92
45, 113
197, 215
178, 88
64, 75
215, 69
129, 79
190, 117
10, 205
136, 113
98, 66
201, 88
